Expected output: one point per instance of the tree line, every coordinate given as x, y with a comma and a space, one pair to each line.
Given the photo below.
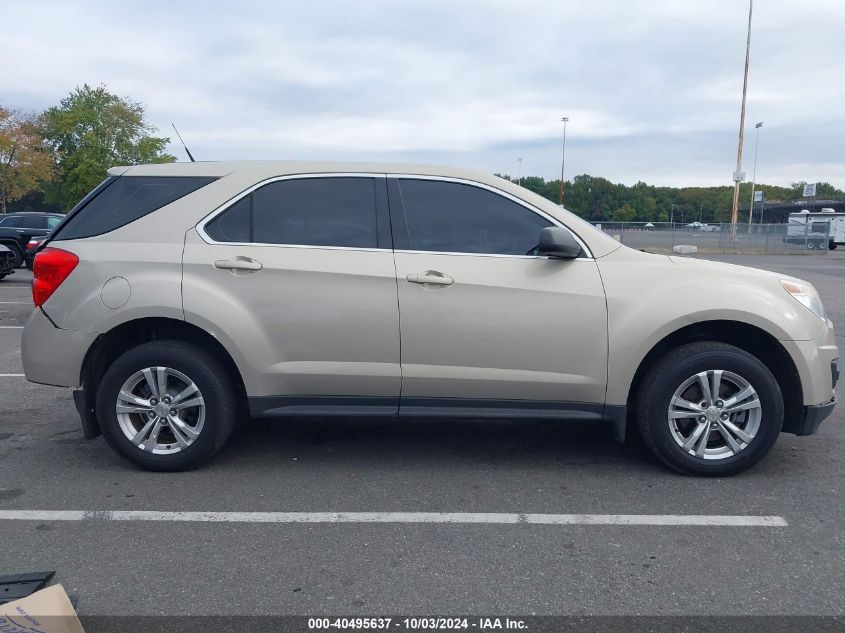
597, 199
50, 160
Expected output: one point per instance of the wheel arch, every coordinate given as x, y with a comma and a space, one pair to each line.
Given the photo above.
107, 347
752, 339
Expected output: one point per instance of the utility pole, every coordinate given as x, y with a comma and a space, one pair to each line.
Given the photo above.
754, 178
738, 175
563, 158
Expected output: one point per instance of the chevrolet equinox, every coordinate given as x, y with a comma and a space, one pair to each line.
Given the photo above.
176, 299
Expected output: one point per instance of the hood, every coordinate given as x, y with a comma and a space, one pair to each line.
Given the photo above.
723, 268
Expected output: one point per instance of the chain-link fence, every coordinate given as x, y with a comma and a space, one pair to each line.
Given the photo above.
808, 237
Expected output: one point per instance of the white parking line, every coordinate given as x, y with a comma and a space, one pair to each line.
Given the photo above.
12, 375
11, 327
17, 303
396, 517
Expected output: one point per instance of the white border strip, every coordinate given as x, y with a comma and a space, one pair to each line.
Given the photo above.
496, 518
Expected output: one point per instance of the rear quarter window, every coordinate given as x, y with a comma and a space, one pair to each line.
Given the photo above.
124, 200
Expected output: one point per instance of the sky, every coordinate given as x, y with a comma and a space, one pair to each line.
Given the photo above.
652, 87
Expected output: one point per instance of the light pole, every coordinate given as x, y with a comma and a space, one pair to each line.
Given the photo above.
563, 158
754, 178
738, 176
519, 173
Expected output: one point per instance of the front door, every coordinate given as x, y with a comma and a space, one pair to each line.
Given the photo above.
484, 322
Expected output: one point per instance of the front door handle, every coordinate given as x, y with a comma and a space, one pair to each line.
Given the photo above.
239, 264
430, 277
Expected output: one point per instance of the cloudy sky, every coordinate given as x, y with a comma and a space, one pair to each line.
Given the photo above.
652, 87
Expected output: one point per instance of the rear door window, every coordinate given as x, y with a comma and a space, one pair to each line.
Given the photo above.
124, 200
324, 211
12, 222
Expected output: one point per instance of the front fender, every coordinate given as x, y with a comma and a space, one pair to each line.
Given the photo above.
651, 296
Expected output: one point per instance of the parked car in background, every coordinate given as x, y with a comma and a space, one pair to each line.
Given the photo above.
7, 261
179, 297
17, 229
31, 249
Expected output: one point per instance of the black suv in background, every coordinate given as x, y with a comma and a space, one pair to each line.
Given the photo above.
17, 229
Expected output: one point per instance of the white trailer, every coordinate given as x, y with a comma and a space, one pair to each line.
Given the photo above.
814, 229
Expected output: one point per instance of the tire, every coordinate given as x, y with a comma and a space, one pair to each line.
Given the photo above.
17, 253
212, 419
761, 423
832, 246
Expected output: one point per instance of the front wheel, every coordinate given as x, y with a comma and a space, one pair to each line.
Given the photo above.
709, 409
166, 405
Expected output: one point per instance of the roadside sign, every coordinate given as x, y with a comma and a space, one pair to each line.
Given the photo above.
809, 190
758, 196
739, 176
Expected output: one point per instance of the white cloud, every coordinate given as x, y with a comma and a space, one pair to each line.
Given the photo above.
652, 88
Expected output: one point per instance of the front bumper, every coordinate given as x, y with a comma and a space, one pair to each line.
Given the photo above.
814, 415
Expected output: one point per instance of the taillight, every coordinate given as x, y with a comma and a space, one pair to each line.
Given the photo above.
50, 269
32, 244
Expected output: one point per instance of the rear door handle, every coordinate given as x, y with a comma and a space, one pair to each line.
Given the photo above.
430, 277
245, 264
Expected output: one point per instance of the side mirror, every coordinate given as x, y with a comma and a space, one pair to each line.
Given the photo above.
558, 242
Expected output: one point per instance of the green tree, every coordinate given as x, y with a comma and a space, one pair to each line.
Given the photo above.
24, 160
92, 130
625, 213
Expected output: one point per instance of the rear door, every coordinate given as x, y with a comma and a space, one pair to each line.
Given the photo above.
296, 278
485, 322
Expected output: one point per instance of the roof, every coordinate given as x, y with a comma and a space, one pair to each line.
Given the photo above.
286, 167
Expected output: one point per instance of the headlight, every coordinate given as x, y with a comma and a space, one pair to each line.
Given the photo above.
806, 295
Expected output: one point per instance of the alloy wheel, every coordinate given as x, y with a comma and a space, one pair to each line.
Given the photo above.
160, 410
714, 414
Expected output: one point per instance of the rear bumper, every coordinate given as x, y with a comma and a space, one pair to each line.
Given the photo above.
51, 355
814, 415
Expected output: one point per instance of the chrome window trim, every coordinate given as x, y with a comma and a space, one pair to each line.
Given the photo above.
200, 226
504, 194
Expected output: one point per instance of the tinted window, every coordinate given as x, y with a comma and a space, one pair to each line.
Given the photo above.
457, 218
233, 225
308, 211
11, 222
53, 222
124, 200
33, 221
317, 212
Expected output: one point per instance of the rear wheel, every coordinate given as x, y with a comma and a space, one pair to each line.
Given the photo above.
709, 409
832, 246
166, 405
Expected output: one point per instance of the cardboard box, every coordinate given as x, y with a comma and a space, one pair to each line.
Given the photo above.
45, 611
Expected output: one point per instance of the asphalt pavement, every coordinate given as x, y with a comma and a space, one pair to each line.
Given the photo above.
331, 465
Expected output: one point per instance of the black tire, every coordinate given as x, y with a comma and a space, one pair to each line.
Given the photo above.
212, 379
16, 251
670, 372
832, 246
